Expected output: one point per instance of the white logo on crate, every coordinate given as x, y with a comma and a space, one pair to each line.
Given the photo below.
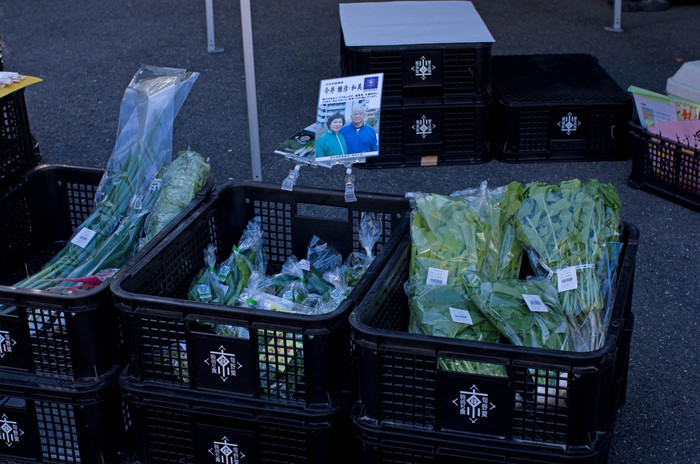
569, 123
225, 452
424, 126
222, 363
6, 343
9, 431
423, 68
473, 404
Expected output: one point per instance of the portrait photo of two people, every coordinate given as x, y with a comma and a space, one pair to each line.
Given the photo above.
347, 119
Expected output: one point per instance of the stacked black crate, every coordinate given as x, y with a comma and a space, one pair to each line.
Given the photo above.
58, 395
215, 383
544, 406
60, 351
59, 401
436, 61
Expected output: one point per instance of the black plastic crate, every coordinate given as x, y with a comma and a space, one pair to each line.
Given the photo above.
446, 58
44, 421
191, 427
432, 135
381, 446
668, 168
19, 151
73, 337
558, 108
169, 347
424, 74
401, 385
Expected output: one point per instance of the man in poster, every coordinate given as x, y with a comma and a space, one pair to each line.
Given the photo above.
359, 136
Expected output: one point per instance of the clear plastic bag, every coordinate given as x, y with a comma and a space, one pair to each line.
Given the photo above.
181, 182
207, 287
357, 263
145, 128
526, 312
322, 256
245, 258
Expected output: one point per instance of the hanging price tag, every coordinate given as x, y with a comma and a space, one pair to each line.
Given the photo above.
83, 237
535, 304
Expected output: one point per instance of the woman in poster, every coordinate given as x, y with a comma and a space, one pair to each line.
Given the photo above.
332, 143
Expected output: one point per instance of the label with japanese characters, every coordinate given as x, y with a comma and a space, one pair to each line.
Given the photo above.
437, 276
461, 316
83, 237
566, 279
535, 303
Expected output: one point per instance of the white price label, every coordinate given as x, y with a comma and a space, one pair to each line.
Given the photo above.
566, 279
83, 237
461, 316
437, 276
535, 303
305, 264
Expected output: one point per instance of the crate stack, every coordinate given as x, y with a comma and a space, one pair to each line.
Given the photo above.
58, 395
551, 407
211, 383
436, 60
60, 353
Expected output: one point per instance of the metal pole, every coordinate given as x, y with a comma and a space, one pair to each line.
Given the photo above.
617, 8
211, 43
247, 29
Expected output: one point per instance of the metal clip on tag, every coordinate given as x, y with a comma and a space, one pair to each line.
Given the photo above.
349, 186
291, 180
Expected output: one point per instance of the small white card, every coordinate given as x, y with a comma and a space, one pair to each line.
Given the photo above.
461, 316
535, 303
566, 279
437, 276
83, 237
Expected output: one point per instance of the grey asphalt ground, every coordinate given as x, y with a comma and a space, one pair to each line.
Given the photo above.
87, 51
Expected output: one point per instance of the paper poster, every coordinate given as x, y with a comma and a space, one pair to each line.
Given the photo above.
347, 119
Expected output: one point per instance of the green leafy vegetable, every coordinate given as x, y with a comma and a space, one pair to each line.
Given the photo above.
183, 180
502, 301
570, 226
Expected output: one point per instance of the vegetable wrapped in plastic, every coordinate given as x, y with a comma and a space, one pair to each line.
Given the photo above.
143, 147
245, 258
444, 311
255, 296
469, 231
357, 263
567, 229
526, 312
322, 256
207, 287
182, 181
